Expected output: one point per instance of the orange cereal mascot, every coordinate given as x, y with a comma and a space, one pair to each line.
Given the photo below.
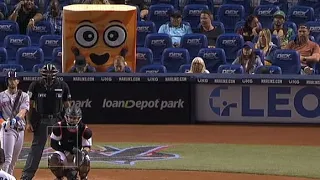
99, 33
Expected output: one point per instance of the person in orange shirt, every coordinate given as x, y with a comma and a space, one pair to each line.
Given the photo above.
309, 51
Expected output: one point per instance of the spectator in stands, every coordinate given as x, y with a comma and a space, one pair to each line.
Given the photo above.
96, 2
81, 66
142, 6
248, 58
284, 34
266, 45
251, 28
198, 66
309, 51
208, 29
120, 65
54, 16
175, 28
26, 14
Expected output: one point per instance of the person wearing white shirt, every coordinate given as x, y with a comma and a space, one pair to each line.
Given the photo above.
3, 174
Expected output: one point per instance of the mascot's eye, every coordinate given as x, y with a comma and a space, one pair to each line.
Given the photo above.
86, 36
115, 36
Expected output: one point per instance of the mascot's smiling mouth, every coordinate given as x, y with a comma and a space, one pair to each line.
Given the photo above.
99, 59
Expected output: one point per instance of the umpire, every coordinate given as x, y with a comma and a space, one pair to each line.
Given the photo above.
48, 98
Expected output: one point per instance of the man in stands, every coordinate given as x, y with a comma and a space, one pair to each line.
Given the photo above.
81, 66
54, 16
142, 6
175, 28
120, 65
284, 34
309, 51
26, 14
208, 29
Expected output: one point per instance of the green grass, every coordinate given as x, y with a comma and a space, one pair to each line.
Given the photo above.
302, 161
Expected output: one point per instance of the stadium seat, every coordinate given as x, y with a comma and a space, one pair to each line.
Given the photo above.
3, 9
174, 3
41, 28
184, 68
192, 12
230, 69
29, 56
287, 60
7, 28
13, 42
144, 57
282, 4
3, 55
300, 14
157, 42
153, 68
309, 3
11, 67
209, 3
160, 14
37, 67
240, 25
47, 43
265, 14
231, 43
245, 3
213, 58
173, 58
314, 27
268, 70
143, 29
229, 15
57, 57
193, 43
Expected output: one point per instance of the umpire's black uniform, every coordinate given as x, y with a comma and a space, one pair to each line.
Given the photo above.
47, 98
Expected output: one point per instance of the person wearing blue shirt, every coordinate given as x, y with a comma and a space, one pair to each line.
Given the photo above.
175, 28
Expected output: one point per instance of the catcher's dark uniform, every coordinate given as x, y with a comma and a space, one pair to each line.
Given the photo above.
68, 157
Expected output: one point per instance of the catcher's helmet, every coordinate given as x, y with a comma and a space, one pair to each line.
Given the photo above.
73, 115
49, 73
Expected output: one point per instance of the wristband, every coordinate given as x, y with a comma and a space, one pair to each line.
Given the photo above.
17, 118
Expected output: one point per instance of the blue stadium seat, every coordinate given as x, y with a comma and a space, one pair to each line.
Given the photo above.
160, 14
265, 14
3, 55
314, 27
268, 70
230, 69
193, 43
57, 57
157, 42
7, 28
231, 43
209, 3
143, 29
282, 4
47, 43
192, 12
287, 60
41, 28
153, 68
174, 3
213, 58
245, 3
11, 67
184, 68
144, 57
13, 42
29, 56
219, 25
37, 67
300, 14
229, 15
3, 9
309, 3
173, 58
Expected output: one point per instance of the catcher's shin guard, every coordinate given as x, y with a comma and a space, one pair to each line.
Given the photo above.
84, 168
56, 165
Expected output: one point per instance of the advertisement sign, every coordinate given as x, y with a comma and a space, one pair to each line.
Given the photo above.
257, 103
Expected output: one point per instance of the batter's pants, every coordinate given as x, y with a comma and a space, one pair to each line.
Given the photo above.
39, 141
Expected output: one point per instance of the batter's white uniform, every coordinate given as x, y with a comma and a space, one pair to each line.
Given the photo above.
11, 139
6, 176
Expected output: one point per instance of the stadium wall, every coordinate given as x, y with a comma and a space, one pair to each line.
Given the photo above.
188, 98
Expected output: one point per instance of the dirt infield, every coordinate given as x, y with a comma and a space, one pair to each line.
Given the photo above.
192, 134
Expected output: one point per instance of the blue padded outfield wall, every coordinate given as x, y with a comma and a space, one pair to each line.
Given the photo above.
189, 98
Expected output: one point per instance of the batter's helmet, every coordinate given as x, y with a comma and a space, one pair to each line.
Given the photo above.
49, 73
11, 74
73, 115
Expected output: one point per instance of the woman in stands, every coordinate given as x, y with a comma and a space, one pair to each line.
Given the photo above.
265, 44
198, 66
248, 58
251, 28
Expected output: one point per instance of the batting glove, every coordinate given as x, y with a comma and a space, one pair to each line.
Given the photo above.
13, 122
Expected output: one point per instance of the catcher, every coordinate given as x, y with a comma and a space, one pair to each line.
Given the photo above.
71, 140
